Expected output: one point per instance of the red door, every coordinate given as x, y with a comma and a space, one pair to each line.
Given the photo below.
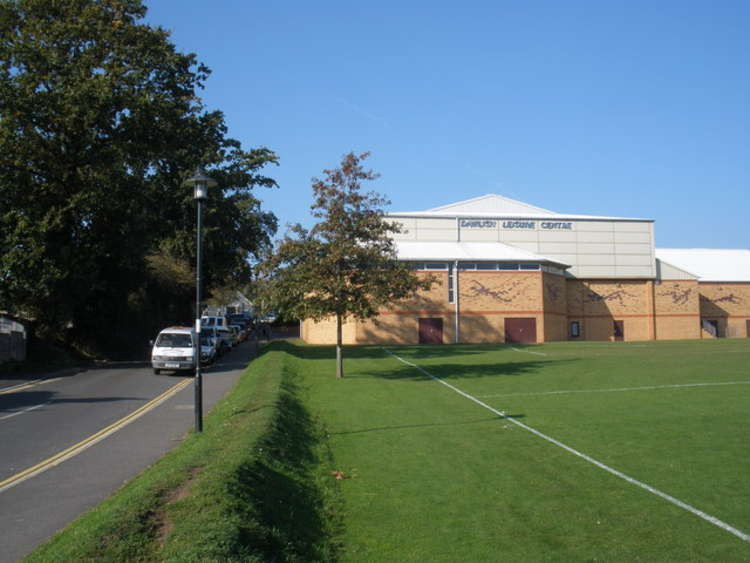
430, 331
521, 331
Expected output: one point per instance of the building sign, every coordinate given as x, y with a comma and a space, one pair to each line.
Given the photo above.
549, 225
519, 225
478, 224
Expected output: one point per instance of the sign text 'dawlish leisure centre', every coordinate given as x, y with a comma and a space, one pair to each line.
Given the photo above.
516, 224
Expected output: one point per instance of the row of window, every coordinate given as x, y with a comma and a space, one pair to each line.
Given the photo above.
618, 329
490, 266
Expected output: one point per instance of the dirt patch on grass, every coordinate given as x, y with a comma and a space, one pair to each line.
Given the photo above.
162, 523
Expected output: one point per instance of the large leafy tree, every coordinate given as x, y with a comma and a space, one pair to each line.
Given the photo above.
344, 266
100, 123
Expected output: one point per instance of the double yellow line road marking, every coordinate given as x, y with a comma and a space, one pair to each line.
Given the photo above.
22, 386
75, 449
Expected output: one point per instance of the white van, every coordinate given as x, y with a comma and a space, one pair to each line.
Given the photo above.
214, 320
174, 350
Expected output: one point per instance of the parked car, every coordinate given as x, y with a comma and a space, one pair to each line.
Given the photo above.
216, 339
214, 321
234, 335
239, 331
174, 349
226, 337
208, 348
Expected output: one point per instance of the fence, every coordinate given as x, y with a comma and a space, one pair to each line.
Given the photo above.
12, 340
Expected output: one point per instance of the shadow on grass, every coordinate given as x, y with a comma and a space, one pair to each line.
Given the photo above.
451, 372
442, 370
282, 506
314, 352
431, 425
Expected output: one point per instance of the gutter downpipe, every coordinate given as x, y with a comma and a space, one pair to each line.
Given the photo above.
457, 329
455, 300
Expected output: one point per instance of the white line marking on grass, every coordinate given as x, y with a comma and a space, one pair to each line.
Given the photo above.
707, 517
528, 351
615, 390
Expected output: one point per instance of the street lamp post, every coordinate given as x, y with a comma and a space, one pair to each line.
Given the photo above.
200, 183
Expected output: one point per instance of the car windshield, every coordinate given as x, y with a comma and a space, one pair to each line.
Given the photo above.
174, 340
207, 321
205, 340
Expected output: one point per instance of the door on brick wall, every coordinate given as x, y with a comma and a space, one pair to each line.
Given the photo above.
430, 331
747, 329
710, 327
619, 330
521, 331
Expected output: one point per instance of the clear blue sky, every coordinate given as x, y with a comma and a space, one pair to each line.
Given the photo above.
622, 108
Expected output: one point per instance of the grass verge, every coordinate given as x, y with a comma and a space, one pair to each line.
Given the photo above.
248, 488
437, 477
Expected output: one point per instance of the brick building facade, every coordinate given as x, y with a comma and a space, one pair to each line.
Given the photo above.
510, 272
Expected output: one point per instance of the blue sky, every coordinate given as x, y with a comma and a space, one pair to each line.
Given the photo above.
620, 108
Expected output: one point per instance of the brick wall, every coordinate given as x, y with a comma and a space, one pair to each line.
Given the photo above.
596, 304
671, 310
728, 304
324, 332
555, 307
677, 310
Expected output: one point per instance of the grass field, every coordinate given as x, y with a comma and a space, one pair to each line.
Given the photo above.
432, 475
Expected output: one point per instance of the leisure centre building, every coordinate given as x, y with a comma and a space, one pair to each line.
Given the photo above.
512, 272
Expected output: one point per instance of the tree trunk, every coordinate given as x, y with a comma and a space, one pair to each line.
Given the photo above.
339, 357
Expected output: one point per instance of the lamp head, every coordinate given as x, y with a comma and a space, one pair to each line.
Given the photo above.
200, 183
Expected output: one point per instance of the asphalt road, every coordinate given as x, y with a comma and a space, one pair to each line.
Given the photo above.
43, 419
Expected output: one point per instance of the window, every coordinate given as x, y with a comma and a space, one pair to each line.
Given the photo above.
436, 266
451, 275
174, 340
575, 329
504, 266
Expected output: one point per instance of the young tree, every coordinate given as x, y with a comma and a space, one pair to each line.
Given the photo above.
100, 123
345, 266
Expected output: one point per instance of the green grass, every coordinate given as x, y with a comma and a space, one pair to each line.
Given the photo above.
246, 489
433, 476
436, 477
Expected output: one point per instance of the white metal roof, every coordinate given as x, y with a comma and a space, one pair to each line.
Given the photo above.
466, 251
491, 203
710, 264
495, 206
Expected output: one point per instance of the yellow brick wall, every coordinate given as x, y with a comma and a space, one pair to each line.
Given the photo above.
596, 304
396, 328
555, 307
479, 328
500, 292
728, 303
670, 310
435, 299
676, 306
324, 331
488, 298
